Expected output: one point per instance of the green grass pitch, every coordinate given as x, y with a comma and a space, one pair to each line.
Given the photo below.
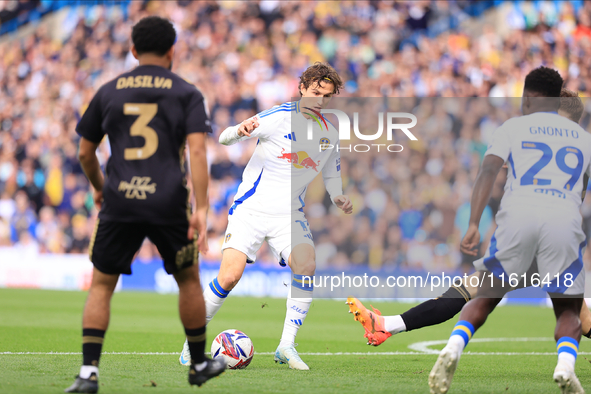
49, 321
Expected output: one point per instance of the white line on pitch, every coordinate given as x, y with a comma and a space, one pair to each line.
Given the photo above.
302, 354
425, 346
257, 353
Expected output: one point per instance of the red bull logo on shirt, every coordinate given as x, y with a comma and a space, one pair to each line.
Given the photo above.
299, 160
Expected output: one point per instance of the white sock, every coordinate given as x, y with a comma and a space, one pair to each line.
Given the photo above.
86, 370
460, 336
394, 324
457, 343
567, 352
567, 359
297, 310
214, 296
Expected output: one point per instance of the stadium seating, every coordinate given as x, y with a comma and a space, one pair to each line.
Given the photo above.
246, 57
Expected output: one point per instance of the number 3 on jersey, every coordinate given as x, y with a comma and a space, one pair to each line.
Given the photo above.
574, 172
140, 128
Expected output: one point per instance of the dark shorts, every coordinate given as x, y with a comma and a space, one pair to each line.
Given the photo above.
114, 244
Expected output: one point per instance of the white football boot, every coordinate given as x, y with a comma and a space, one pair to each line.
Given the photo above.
185, 358
567, 380
443, 370
288, 355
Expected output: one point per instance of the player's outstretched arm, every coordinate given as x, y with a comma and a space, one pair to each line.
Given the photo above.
241, 132
200, 180
92, 168
491, 165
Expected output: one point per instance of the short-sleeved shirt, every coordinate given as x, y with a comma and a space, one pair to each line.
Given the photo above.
147, 114
547, 156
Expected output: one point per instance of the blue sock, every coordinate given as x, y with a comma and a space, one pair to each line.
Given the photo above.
214, 296
567, 348
217, 289
462, 330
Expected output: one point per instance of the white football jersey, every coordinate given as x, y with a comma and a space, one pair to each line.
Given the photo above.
547, 155
285, 161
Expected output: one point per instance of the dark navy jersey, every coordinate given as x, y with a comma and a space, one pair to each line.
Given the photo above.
147, 114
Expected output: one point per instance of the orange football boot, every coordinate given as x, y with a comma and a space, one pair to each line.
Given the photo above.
372, 322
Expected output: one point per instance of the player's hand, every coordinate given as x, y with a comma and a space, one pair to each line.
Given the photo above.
471, 241
198, 223
248, 126
98, 199
344, 203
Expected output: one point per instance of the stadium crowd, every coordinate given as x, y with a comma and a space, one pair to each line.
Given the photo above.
410, 207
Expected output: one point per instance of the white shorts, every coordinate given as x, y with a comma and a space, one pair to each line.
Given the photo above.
554, 236
246, 232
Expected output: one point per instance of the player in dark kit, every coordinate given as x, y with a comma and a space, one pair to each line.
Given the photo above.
148, 113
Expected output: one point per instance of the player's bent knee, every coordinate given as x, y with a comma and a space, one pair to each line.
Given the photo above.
304, 268
229, 280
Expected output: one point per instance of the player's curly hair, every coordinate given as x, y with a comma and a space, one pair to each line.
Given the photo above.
321, 72
571, 104
153, 34
545, 81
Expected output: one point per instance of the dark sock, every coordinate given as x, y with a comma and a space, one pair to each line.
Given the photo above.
196, 339
92, 344
438, 310
588, 335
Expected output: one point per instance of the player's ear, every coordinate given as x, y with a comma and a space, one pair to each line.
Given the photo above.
134, 51
301, 88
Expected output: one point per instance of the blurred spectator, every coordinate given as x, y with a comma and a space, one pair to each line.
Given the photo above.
10, 9
79, 237
4, 233
26, 243
47, 226
410, 207
24, 220
7, 206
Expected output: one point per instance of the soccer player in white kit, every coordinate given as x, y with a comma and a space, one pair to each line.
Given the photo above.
547, 156
269, 201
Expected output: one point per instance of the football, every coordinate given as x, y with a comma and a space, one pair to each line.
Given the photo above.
235, 347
